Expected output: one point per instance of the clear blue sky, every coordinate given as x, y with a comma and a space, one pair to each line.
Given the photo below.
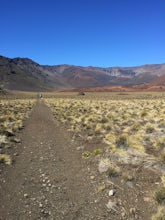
84, 32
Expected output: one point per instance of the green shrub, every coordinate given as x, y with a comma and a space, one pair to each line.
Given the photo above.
86, 154
160, 195
97, 151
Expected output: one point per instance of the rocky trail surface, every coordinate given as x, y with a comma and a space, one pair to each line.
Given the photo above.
50, 180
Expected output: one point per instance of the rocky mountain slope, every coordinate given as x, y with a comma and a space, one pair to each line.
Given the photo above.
25, 74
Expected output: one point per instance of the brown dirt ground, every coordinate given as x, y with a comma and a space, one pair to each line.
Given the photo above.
49, 179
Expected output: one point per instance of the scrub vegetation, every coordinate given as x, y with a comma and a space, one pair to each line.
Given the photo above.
12, 114
127, 130
136, 125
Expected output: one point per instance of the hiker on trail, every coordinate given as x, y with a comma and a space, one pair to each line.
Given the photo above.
39, 96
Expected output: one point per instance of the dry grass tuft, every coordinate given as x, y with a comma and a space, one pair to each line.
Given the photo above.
160, 195
4, 158
160, 215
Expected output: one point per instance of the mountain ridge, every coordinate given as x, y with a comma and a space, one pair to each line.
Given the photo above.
25, 74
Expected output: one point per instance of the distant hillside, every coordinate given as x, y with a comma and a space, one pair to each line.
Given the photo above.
160, 81
25, 74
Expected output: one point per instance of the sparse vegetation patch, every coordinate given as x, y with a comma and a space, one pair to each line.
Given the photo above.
128, 132
12, 114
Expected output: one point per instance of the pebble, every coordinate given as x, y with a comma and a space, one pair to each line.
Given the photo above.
46, 201
92, 177
25, 195
147, 199
157, 183
80, 148
104, 165
40, 205
111, 192
46, 213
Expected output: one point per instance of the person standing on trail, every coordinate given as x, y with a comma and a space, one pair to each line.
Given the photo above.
39, 96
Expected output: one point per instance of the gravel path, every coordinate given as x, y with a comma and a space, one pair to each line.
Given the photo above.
48, 179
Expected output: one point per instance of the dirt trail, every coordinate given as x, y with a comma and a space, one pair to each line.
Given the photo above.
48, 179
